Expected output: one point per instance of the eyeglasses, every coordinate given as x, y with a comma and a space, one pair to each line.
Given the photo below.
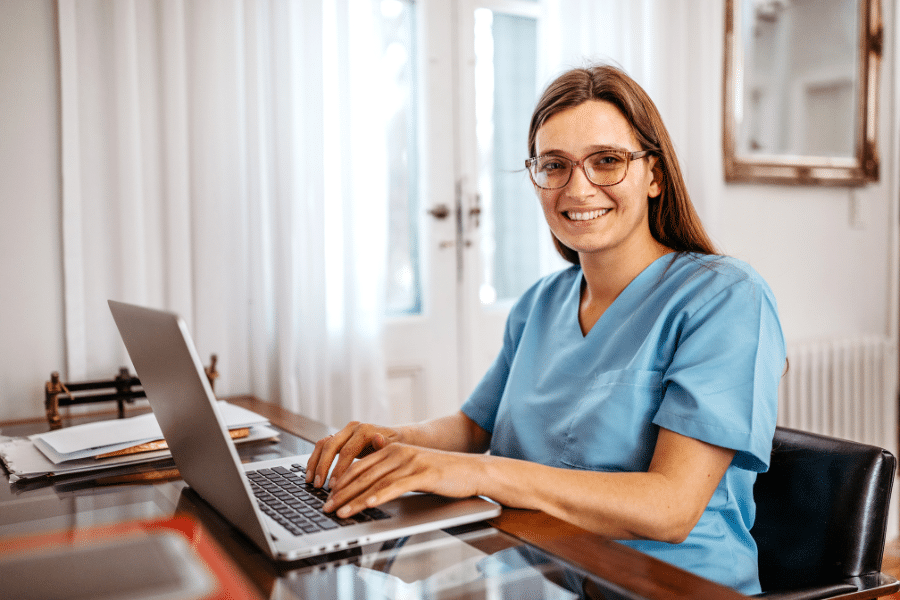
607, 167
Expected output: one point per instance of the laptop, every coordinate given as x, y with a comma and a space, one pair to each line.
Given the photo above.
264, 500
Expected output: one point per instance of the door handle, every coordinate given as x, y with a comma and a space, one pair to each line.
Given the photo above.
475, 211
440, 212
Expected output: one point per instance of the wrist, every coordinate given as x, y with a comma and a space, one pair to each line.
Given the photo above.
403, 435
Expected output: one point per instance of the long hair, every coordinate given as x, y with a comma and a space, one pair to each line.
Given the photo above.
673, 221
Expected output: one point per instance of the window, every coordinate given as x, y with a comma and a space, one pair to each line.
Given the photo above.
404, 294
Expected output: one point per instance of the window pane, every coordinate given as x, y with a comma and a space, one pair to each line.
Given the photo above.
403, 286
505, 93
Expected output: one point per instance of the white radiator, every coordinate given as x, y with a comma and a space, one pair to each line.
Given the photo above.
843, 388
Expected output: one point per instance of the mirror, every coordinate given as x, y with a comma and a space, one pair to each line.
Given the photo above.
801, 90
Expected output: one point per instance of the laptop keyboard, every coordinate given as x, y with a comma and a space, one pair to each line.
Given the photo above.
284, 495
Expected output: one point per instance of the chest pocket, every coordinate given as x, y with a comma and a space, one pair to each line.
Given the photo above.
611, 428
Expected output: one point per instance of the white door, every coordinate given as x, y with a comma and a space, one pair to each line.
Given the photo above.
481, 240
507, 245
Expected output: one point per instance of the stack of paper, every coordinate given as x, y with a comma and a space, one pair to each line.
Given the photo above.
104, 444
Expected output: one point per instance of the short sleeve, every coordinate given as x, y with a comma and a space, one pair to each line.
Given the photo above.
722, 384
484, 402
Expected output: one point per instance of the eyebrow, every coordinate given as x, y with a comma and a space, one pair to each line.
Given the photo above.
591, 150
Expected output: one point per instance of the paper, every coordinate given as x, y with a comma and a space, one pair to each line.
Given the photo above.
24, 461
102, 434
101, 437
73, 449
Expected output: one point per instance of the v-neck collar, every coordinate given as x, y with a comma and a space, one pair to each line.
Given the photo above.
637, 288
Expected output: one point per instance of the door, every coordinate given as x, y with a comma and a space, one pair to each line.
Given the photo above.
507, 245
479, 236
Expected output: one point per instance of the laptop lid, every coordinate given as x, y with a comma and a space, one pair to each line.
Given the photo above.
179, 393
168, 366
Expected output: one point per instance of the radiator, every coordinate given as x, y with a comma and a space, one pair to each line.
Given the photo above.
844, 388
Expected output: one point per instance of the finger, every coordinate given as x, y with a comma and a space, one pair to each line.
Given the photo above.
314, 458
330, 447
381, 491
355, 447
366, 475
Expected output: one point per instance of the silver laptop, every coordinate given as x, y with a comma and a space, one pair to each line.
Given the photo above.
257, 498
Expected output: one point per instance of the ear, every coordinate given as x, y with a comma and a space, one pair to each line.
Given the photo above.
656, 184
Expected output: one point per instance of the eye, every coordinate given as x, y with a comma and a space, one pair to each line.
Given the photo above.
605, 160
549, 164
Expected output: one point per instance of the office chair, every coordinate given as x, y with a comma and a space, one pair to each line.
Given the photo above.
821, 518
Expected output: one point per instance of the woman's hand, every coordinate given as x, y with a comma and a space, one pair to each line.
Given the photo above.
399, 468
356, 440
453, 433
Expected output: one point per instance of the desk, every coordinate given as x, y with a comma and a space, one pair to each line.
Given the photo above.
520, 554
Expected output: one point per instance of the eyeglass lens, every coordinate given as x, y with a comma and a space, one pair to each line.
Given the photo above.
601, 168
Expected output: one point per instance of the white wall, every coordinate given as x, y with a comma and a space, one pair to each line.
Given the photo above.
31, 310
827, 253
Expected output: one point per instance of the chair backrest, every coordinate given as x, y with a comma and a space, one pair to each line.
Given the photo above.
821, 510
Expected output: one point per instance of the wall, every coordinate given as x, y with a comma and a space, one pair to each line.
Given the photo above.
827, 253
31, 323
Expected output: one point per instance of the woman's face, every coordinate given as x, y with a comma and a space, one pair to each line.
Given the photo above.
597, 221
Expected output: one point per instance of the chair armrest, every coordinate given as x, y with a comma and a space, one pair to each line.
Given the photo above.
875, 585
819, 592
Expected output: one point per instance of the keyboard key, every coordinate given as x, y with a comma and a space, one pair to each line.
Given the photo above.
285, 496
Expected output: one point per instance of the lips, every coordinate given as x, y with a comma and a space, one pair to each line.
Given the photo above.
586, 215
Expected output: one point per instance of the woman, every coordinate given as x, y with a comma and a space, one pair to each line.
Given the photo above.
636, 391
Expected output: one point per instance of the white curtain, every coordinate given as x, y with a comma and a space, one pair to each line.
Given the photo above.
674, 49
225, 159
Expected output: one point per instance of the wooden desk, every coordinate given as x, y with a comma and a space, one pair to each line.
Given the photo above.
516, 555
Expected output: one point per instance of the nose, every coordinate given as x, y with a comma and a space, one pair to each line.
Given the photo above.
579, 185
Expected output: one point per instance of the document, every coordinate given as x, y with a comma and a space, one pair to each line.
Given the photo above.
78, 448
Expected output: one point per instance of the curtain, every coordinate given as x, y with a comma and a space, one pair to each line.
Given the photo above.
671, 48
225, 160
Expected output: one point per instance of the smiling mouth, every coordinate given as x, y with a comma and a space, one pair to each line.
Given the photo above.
586, 216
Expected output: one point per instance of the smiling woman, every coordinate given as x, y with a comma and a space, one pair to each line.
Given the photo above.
587, 213
672, 219
636, 391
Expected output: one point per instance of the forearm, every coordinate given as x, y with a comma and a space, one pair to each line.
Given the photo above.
616, 505
662, 504
453, 433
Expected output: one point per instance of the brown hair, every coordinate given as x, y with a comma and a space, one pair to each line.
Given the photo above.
673, 220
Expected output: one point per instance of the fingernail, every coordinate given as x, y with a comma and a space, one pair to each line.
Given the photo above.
344, 512
328, 506
318, 481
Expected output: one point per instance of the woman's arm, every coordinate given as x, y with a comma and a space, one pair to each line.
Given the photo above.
663, 503
454, 433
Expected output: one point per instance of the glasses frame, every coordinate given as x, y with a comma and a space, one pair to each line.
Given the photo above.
628, 156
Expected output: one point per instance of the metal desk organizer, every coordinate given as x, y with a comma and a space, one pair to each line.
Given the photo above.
123, 388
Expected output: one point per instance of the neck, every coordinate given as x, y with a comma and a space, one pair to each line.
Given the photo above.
607, 274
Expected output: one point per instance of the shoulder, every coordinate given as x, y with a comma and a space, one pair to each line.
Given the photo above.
702, 277
548, 289
544, 298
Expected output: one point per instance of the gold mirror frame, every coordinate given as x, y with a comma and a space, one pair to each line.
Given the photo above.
859, 169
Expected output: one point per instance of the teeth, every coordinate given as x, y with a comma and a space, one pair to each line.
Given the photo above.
587, 216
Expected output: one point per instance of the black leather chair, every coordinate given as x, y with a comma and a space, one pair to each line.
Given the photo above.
821, 518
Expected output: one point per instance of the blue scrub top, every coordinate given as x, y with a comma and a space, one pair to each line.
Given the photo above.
693, 344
